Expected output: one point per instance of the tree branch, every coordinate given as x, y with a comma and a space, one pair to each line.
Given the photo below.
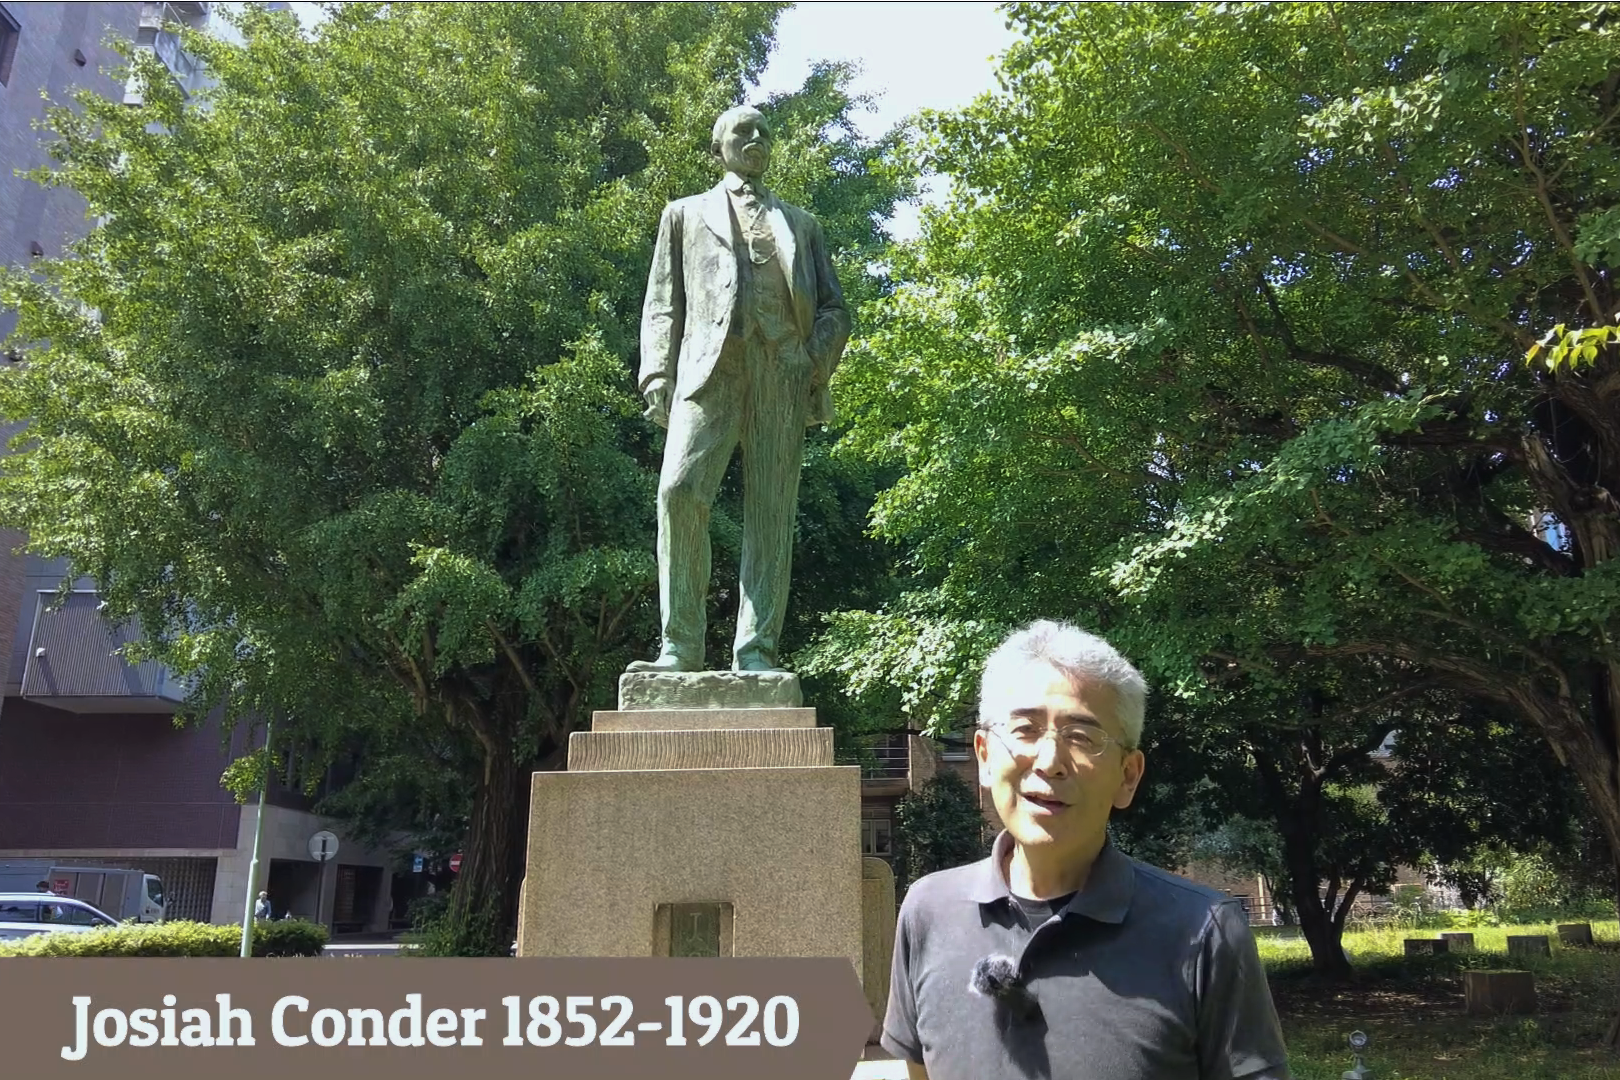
1515, 540
1517, 334
1544, 198
1350, 894
511, 654
1375, 374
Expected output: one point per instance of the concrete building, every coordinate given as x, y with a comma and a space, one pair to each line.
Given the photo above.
51, 47
93, 769
894, 766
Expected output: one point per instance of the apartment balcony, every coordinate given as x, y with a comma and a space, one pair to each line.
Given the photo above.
75, 661
156, 15
886, 764
158, 32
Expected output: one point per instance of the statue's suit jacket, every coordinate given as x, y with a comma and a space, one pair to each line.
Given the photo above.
692, 295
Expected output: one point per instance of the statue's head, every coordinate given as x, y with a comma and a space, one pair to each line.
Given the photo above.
742, 141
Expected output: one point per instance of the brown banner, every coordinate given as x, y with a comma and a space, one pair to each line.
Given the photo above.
763, 1019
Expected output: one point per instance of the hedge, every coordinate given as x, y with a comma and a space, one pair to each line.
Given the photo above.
280, 938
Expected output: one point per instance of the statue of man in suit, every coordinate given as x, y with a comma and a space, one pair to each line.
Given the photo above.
742, 327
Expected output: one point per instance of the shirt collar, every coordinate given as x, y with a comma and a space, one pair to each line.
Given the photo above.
1106, 898
734, 184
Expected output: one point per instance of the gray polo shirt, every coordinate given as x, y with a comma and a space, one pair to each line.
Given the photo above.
1141, 976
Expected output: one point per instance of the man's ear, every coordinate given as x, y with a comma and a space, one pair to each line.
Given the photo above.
981, 751
1134, 765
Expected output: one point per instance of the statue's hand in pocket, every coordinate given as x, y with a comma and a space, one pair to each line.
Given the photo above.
657, 395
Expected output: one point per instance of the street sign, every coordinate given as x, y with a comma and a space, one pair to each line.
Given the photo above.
416, 864
323, 846
455, 863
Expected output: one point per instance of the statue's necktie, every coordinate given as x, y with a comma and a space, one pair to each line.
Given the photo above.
755, 226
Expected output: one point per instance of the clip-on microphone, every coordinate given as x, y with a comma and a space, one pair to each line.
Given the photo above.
996, 977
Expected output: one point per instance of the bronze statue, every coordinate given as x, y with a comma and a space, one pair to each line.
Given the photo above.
742, 328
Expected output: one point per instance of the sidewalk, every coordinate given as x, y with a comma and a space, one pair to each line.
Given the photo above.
372, 944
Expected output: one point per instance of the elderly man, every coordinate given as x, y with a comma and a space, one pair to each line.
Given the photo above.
742, 327
1059, 956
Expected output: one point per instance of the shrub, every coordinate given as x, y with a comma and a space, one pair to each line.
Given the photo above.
938, 826
285, 938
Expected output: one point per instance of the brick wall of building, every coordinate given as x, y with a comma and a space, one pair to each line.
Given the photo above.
81, 782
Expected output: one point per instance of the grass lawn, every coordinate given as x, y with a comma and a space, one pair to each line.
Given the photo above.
1413, 1009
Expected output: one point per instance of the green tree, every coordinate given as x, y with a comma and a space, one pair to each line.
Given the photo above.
938, 826
334, 399
1329, 788
1222, 346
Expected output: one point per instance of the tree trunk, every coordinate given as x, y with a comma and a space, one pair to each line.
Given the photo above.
494, 837
1322, 932
1601, 778
1298, 817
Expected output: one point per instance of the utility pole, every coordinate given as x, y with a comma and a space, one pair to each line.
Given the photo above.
253, 866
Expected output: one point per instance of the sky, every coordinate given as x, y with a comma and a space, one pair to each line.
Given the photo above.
911, 55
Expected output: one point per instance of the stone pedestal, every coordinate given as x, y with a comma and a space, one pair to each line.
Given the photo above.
1577, 934
1458, 941
1528, 945
877, 937
719, 826
1496, 993
1426, 946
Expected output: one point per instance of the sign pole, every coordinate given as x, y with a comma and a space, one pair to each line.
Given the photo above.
323, 848
253, 866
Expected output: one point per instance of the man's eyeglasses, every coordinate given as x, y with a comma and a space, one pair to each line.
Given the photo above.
1023, 738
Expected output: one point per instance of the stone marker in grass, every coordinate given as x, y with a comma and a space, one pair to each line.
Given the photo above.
1496, 993
1426, 946
1528, 945
1575, 933
1458, 941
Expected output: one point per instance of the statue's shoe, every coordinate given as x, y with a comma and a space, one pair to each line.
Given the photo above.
665, 662
754, 662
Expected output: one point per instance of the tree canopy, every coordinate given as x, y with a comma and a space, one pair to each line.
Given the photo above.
1223, 346
334, 399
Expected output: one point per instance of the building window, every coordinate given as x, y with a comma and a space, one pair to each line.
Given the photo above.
877, 832
10, 31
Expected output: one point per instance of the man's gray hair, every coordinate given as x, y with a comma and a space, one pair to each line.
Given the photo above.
724, 120
1079, 656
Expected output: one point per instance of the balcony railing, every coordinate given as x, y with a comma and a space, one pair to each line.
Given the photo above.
881, 757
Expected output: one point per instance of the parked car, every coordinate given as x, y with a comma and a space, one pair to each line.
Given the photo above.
127, 894
26, 914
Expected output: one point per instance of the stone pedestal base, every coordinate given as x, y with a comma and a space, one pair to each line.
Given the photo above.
709, 690
1458, 941
1577, 934
1426, 946
699, 831
877, 937
1528, 945
781, 846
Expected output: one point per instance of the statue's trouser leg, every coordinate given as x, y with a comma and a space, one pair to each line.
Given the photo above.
702, 435
773, 446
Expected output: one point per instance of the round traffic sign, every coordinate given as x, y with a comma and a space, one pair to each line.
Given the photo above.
323, 846
455, 863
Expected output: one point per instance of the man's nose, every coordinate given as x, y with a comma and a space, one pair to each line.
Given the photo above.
1049, 757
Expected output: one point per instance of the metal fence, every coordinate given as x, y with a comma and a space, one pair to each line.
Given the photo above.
881, 757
